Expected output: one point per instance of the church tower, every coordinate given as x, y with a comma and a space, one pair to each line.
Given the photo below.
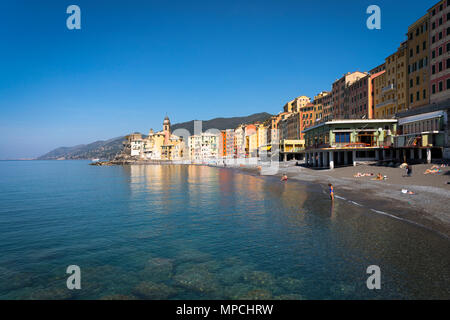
166, 130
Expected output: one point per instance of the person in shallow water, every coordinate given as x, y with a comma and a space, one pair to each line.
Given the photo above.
331, 191
284, 177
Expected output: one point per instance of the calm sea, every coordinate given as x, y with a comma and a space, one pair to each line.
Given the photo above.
193, 232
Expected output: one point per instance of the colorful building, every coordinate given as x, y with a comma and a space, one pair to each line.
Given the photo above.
340, 96
162, 145
439, 39
229, 143
308, 116
357, 98
296, 104
204, 147
344, 142
418, 61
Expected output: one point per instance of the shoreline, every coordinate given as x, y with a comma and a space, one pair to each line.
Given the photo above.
426, 208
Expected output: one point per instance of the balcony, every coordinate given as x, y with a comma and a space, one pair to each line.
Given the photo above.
386, 103
388, 88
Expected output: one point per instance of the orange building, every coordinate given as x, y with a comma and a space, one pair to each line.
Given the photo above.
307, 115
223, 144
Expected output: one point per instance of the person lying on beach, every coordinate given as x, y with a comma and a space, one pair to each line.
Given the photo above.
359, 174
380, 177
432, 171
284, 178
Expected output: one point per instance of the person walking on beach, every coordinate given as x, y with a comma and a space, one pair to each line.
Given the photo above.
284, 178
331, 191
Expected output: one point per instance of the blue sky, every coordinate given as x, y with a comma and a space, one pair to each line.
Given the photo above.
134, 61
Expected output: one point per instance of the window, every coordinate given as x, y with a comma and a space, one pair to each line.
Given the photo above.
411, 83
440, 21
417, 80
440, 66
440, 51
418, 95
412, 98
425, 94
440, 35
342, 137
433, 54
433, 40
417, 49
448, 63
424, 45
448, 83
433, 26
440, 86
448, 47
433, 69
433, 88
411, 53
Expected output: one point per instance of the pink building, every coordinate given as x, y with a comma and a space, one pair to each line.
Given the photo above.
358, 98
439, 51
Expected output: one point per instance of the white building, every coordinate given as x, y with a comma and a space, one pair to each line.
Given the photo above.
204, 146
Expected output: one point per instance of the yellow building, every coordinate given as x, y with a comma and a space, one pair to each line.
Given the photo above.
379, 82
296, 104
418, 77
402, 77
392, 96
321, 105
161, 145
253, 145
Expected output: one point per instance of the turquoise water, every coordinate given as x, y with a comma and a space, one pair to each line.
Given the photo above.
193, 232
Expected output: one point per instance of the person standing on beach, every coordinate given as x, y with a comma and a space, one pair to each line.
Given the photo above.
408, 170
331, 191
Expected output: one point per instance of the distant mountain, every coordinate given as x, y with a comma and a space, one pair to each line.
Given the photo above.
98, 149
110, 148
223, 123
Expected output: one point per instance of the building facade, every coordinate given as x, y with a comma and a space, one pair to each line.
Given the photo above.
162, 145
204, 147
340, 94
418, 61
439, 40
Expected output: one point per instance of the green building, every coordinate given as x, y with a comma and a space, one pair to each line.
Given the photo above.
344, 142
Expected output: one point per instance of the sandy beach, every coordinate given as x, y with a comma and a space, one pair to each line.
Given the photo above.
427, 207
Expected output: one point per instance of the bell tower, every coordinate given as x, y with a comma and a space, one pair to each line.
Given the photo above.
166, 130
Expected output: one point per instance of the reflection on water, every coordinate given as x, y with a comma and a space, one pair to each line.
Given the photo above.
194, 232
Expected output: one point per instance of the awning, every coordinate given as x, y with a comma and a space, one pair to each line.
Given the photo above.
266, 148
421, 117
